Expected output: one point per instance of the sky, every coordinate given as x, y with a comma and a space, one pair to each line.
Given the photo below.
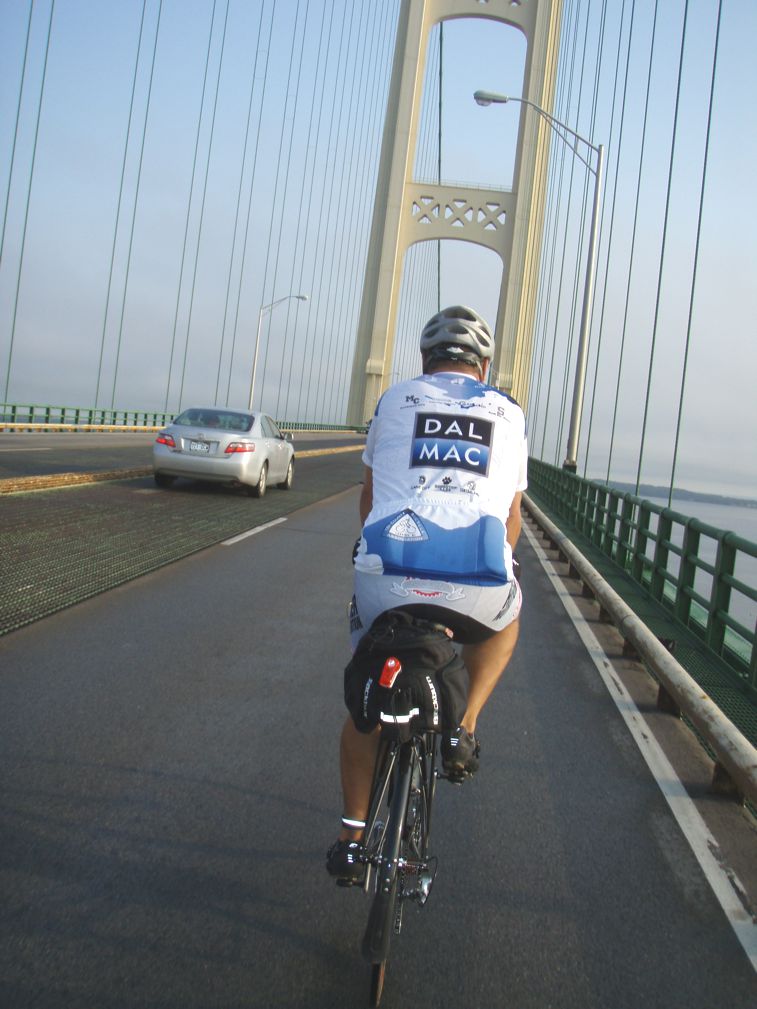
175, 178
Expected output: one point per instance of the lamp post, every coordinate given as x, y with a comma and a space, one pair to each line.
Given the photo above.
261, 313
489, 97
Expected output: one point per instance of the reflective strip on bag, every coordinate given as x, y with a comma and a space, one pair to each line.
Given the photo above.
400, 719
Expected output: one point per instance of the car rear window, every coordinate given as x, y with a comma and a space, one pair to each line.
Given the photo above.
225, 420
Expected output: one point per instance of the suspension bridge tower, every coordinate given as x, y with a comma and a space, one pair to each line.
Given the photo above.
406, 212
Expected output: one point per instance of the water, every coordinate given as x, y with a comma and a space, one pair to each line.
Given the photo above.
732, 518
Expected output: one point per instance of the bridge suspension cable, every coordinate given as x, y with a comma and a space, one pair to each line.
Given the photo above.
204, 198
134, 208
663, 247
693, 286
237, 208
649, 225
253, 171
28, 189
632, 250
118, 204
189, 204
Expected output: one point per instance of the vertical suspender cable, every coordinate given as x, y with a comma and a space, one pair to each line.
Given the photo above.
239, 202
556, 155
632, 250
372, 142
202, 205
696, 253
134, 209
274, 202
303, 217
611, 216
311, 333
249, 199
569, 366
15, 131
558, 172
189, 205
308, 183
546, 269
284, 201
28, 202
326, 210
118, 205
339, 373
614, 202
325, 302
664, 243
600, 51
565, 232
338, 267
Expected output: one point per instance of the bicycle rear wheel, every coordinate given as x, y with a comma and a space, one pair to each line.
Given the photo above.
383, 919
378, 973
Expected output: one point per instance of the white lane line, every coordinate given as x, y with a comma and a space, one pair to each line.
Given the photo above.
728, 891
251, 532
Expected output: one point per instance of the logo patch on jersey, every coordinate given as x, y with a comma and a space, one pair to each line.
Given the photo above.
452, 441
427, 589
406, 527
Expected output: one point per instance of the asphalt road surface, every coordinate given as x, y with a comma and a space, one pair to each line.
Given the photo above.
25, 453
168, 766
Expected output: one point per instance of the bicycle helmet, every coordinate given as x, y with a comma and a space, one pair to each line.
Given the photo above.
458, 333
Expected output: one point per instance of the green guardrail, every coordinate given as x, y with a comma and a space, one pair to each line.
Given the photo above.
704, 577
13, 413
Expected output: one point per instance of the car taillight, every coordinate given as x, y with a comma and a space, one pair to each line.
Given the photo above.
239, 446
165, 439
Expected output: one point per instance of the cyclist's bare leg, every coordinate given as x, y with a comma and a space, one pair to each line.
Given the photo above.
485, 663
357, 757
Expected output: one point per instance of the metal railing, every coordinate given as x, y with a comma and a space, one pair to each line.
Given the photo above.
704, 577
15, 417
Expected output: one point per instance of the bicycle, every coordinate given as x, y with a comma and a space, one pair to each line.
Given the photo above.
398, 865
410, 681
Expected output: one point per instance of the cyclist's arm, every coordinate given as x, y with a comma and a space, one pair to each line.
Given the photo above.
513, 523
366, 495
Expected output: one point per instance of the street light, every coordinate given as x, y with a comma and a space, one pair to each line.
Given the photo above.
263, 310
489, 97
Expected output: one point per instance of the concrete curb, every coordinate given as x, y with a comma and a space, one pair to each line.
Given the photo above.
19, 485
735, 754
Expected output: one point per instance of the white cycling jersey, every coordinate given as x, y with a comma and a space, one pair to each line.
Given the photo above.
448, 455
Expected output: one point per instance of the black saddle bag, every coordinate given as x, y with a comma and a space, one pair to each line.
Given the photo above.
406, 676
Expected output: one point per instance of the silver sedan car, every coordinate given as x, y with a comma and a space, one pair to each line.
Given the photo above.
224, 446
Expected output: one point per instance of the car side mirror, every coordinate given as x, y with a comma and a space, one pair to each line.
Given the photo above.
288, 436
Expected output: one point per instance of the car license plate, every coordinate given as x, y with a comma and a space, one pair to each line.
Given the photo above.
199, 446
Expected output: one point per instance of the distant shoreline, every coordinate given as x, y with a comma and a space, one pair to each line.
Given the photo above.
679, 494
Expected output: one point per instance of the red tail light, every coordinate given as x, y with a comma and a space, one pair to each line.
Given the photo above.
165, 439
390, 672
239, 446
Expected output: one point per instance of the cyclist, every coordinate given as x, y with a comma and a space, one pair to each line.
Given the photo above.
445, 466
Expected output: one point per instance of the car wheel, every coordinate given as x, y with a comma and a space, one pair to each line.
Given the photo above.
163, 480
260, 487
286, 483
